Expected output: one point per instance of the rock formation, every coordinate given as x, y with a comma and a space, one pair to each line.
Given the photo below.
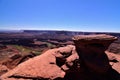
16, 59
114, 60
3, 69
51, 65
84, 61
91, 49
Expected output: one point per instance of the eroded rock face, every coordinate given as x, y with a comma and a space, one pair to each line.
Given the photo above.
91, 49
114, 60
3, 69
84, 61
16, 59
53, 64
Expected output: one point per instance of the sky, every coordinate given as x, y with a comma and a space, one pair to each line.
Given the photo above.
71, 15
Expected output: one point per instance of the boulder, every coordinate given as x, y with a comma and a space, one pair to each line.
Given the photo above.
46, 66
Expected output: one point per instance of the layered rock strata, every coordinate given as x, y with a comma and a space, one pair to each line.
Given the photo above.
84, 61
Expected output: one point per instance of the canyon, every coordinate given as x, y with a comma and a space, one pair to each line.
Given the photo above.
87, 58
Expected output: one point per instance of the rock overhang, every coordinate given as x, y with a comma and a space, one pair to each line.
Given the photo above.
94, 37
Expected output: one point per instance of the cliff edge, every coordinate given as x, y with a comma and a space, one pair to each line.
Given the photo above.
86, 60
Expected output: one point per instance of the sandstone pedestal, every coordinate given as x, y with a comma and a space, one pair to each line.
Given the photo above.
91, 50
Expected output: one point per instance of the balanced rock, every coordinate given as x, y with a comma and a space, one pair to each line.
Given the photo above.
91, 50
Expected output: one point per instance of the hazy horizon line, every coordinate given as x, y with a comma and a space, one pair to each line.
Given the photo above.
58, 30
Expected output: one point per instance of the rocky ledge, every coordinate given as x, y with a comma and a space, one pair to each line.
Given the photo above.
86, 60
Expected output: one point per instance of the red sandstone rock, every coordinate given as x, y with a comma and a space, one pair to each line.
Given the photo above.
114, 60
16, 59
44, 66
91, 49
64, 63
3, 69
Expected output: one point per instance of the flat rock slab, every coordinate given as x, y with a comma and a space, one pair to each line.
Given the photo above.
96, 40
94, 37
